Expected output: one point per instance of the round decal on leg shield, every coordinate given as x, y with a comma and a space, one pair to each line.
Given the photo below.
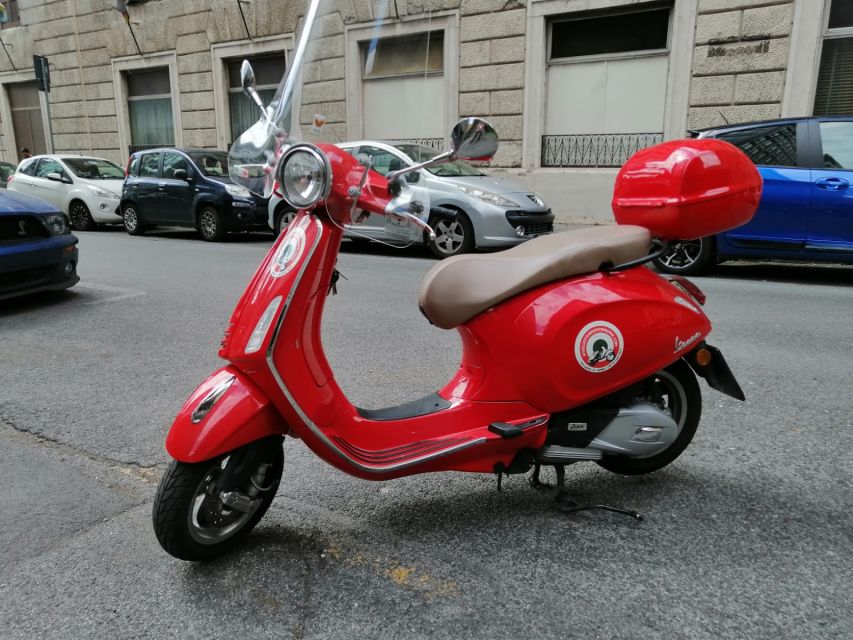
288, 253
598, 346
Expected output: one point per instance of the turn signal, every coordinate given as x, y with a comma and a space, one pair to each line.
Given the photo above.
703, 357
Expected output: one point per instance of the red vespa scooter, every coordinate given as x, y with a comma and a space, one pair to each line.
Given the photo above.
572, 350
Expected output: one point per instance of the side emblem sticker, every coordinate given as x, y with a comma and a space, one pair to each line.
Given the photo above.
598, 346
288, 253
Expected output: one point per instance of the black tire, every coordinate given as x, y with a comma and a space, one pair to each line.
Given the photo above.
452, 237
210, 225
132, 220
179, 523
676, 389
283, 217
687, 257
80, 216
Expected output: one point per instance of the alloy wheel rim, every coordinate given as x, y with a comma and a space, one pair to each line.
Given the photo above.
449, 237
76, 216
208, 224
130, 220
211, 522
682, 255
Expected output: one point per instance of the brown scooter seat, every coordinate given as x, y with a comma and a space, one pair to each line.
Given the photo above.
458, 288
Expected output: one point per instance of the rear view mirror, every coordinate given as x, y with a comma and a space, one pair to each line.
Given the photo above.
180, 174
473, 139
413, 178
56, 177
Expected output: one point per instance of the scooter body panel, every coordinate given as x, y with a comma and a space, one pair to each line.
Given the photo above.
237, 412
569, 342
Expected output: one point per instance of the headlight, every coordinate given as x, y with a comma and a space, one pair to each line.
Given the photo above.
305, 175
56, 224
487, 196
237, 190
103, 193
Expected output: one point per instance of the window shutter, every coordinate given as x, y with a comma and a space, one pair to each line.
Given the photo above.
834, 94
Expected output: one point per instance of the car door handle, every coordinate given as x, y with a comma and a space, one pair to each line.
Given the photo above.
832, 184
161, 185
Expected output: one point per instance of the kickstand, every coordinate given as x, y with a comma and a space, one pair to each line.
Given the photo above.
536, 483
566, 504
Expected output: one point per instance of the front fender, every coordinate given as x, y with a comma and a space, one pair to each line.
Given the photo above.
225, 412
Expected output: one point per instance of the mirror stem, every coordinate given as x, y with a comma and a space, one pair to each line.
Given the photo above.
442, 157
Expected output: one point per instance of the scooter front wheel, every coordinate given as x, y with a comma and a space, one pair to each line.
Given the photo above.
191, 519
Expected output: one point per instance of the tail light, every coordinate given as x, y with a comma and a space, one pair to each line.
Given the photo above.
9, 179
127, 166
688, 287
276, 189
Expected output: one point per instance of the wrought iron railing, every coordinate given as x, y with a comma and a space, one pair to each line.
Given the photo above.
433, 143
594, 150
144, 147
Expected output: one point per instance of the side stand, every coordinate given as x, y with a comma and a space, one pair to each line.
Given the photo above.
566, 504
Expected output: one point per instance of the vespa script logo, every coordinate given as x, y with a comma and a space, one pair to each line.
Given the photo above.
598, 346
289, 253
681, 344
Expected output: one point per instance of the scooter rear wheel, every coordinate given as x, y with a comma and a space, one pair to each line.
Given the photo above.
676, 391
191, 521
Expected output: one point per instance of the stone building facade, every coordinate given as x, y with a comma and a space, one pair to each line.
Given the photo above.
567, 99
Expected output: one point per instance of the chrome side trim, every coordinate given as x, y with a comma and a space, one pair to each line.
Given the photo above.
318, 433
204, 407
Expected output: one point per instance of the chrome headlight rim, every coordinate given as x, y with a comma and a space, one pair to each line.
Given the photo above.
322, 159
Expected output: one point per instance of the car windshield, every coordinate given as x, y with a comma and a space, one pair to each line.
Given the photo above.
454, 169
94, 169
211, 163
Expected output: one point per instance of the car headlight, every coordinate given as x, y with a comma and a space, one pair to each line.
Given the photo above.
486, 196
305, 175
103, 193
237, 190
57, 225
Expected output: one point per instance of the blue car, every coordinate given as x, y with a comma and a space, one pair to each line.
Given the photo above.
806, 208
37, 250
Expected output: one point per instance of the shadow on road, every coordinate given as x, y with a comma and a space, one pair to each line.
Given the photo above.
793, 273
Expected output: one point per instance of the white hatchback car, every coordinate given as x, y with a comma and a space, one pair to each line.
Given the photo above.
87, 189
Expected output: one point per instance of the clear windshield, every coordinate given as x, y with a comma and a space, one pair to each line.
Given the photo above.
348, 78
94, 168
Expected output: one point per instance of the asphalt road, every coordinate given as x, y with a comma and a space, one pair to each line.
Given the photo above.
747, 535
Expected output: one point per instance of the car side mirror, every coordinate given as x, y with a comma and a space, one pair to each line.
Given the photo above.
57, 177
413, 178
181, 174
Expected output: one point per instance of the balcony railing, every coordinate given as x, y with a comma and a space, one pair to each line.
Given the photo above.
594, 150
144, 147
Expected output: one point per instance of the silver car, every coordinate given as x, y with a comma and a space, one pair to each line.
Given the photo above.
493, 212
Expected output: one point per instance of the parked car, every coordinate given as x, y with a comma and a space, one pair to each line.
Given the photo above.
7, 169
493, 212
87, 189
37, 249
806, 209
187, 188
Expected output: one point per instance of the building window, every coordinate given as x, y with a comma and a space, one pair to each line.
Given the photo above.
606, 85
269, 70
27, 122
149, 105
834, 93
404, 76
9, 15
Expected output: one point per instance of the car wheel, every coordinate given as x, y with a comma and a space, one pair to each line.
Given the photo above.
80, 217
210, 225
283, 218
132, 222
687, 257
452, 237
